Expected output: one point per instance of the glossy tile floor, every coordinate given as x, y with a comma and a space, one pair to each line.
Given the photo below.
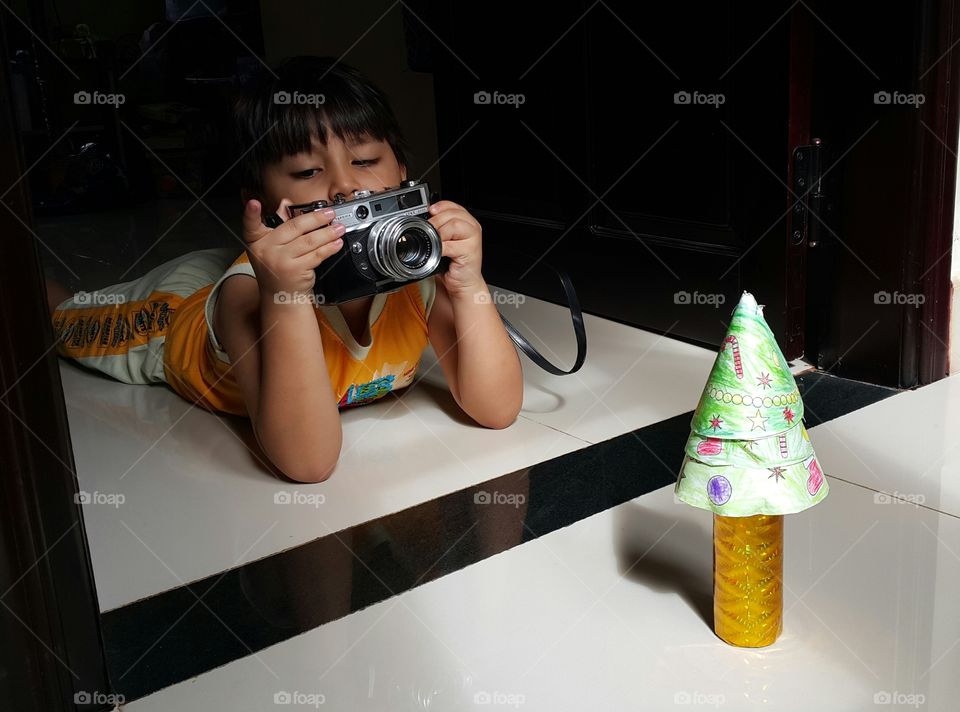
612, 612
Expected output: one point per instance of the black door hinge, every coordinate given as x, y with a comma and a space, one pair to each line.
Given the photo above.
806, 215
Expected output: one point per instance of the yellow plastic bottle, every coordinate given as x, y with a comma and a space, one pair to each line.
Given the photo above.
748, 579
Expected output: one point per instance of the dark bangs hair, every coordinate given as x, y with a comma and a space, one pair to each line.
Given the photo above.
350, 107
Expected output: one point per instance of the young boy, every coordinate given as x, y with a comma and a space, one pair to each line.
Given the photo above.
223, 340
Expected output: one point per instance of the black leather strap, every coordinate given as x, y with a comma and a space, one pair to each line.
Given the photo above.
575, 315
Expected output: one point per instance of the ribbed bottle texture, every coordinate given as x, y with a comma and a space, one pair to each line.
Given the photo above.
747, 579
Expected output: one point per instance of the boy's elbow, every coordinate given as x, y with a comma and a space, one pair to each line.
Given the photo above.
311, 474
311, 469
293, 462
499, 421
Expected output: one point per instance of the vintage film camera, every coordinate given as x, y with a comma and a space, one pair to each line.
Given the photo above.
388, 242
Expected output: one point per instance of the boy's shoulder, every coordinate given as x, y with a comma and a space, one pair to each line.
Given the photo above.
242, 258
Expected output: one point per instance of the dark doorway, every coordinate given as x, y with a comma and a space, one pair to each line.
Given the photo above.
653, 154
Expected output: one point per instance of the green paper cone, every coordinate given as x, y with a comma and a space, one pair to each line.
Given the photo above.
750, 392
784, 448
748, 452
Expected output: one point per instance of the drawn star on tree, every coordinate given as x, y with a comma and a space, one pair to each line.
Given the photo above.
777, 473
759, 420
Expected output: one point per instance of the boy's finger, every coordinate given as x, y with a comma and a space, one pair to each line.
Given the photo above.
328, 250
442, 205
307, 243
454, 225
454, 249
253, 229
307, 222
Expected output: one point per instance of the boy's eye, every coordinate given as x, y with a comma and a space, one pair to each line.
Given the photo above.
309, 173
366, 162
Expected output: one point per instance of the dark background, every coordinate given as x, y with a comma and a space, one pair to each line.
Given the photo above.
644, 201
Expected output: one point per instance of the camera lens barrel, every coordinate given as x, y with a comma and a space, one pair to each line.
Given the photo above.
405, 247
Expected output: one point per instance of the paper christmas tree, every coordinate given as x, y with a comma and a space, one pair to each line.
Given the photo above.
748, 451
749, 460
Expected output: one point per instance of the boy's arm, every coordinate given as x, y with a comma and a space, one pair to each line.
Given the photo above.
477, 356
275, 345
277, 358
475, 351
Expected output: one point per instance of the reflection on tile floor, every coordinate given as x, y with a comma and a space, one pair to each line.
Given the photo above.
155, 638
93, 250
613, 613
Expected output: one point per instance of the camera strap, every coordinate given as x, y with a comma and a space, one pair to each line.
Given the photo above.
575, 314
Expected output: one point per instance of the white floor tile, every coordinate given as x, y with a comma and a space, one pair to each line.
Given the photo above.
906, 446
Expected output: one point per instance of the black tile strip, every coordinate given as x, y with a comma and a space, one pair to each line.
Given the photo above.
833, 397
171, 637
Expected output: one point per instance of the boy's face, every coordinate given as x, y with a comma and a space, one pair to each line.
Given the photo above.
324, 171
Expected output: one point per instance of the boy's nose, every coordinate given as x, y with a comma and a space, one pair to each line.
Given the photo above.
342, 187
339, 196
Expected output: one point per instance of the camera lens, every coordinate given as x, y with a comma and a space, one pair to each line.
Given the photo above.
405, 247
412, 248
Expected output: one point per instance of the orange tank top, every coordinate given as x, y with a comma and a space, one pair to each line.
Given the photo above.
197, 367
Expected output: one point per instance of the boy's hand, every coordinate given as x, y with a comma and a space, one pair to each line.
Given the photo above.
284, 258
461, 235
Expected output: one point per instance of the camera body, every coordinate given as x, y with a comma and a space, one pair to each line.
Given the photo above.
388, 242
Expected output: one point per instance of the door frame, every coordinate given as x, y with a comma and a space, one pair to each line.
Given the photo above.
927, 337
49, 614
